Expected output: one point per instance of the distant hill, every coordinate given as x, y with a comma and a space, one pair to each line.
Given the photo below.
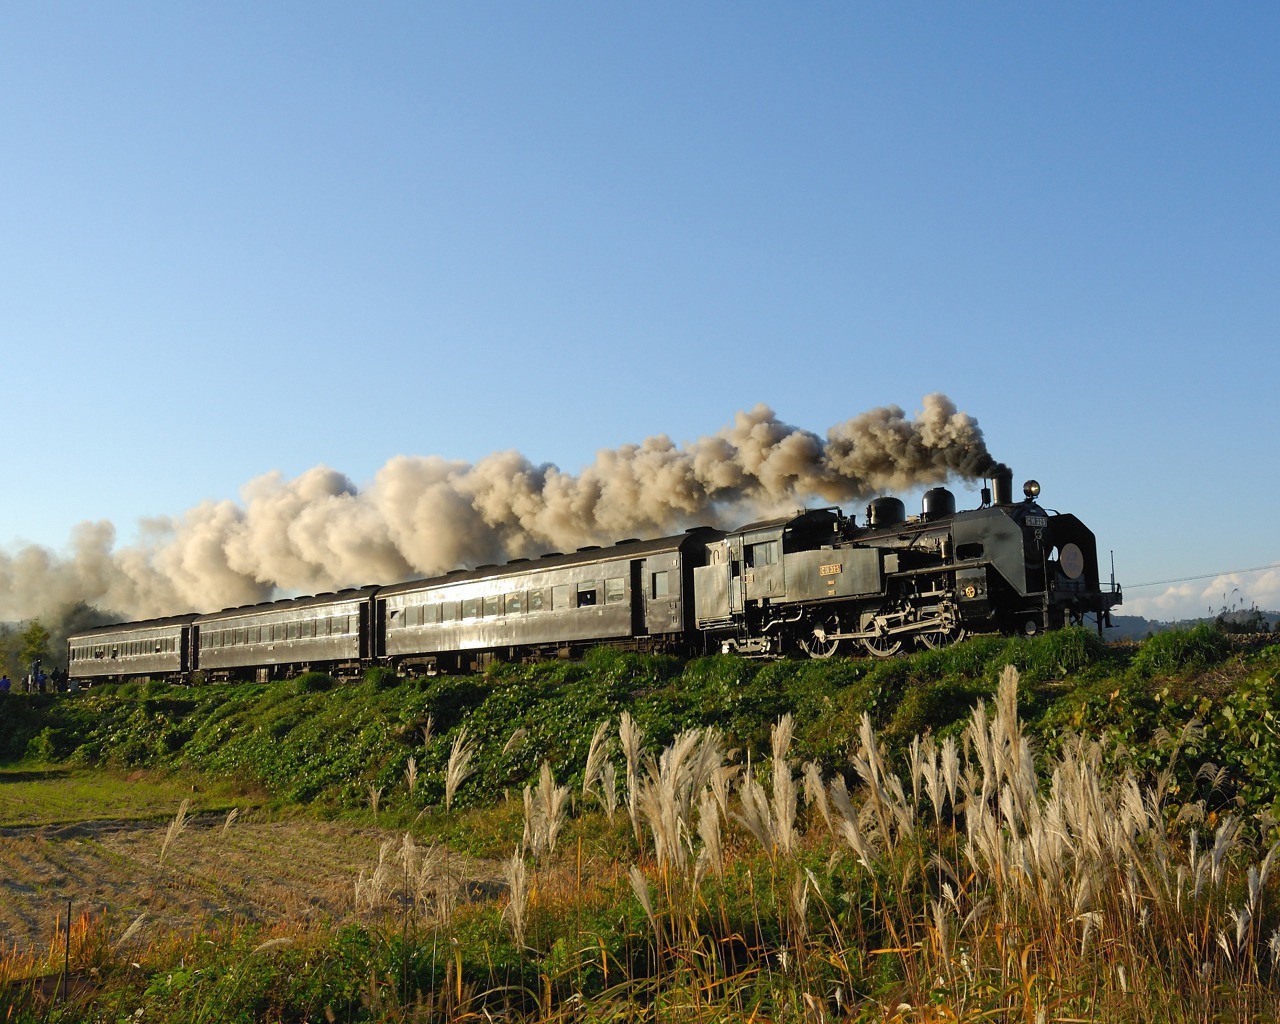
1238, 620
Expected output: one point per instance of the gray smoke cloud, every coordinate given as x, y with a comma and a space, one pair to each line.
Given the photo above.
425, 514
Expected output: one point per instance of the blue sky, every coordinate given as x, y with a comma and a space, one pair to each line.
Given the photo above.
254, 237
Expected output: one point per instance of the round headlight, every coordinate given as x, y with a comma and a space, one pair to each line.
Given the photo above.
1031, 489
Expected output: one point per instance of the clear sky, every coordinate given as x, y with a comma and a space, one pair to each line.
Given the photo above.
246, 237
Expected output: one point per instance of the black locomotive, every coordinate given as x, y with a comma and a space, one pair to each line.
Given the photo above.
813, 582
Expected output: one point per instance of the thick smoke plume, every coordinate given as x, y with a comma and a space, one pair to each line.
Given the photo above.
426, 514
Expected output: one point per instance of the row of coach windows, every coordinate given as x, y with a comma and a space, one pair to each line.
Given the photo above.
128, 649
556, 598
296, 629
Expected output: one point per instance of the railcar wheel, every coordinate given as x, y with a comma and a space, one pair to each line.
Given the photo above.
938, 638
882, 646
819, 643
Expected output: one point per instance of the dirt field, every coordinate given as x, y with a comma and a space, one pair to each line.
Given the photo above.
296, 870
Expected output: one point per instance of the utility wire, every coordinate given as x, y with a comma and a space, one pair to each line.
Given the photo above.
1206, 576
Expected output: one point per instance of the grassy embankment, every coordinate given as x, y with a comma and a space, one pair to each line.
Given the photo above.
796, 840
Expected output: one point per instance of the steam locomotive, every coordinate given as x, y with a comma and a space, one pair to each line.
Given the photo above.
813, 583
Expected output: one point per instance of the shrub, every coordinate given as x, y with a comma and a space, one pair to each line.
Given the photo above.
381, 677
1179, 650
314, 682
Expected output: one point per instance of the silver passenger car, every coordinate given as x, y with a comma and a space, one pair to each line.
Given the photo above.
152, 649
633, 593
328, 632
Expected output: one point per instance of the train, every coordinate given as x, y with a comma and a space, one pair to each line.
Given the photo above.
814, 583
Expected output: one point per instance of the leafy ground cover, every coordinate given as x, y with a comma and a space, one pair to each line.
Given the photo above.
789, 841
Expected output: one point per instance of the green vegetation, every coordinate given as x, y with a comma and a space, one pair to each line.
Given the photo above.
22, 648
62, 795
1089, 845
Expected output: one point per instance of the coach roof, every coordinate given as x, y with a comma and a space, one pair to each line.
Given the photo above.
698, 536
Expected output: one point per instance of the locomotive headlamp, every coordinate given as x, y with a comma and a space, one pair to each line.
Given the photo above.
1031, 489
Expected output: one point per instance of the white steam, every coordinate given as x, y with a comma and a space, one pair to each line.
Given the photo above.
425, 514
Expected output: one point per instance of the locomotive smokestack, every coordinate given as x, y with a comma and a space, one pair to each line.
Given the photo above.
1002, 482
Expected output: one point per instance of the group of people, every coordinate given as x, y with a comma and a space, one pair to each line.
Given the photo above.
37, 682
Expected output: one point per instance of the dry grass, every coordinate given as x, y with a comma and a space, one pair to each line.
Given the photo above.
968, 888
974, 882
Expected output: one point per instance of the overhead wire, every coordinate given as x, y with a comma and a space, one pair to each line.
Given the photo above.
1205, 576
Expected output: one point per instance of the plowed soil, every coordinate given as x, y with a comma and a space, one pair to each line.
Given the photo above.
287, 871
295, 871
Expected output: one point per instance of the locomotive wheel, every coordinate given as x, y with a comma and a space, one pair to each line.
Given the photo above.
882, 646
818, 644
939, 638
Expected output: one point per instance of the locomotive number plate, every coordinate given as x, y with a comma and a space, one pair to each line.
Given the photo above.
830, 570
1037, 522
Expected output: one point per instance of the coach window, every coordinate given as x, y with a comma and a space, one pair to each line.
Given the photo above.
470, 607
661, 584
515, 604
615, 591
588, 594
764, 553
559, 596
535, 600
492, 606
430, 614
291, 631
449, 611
